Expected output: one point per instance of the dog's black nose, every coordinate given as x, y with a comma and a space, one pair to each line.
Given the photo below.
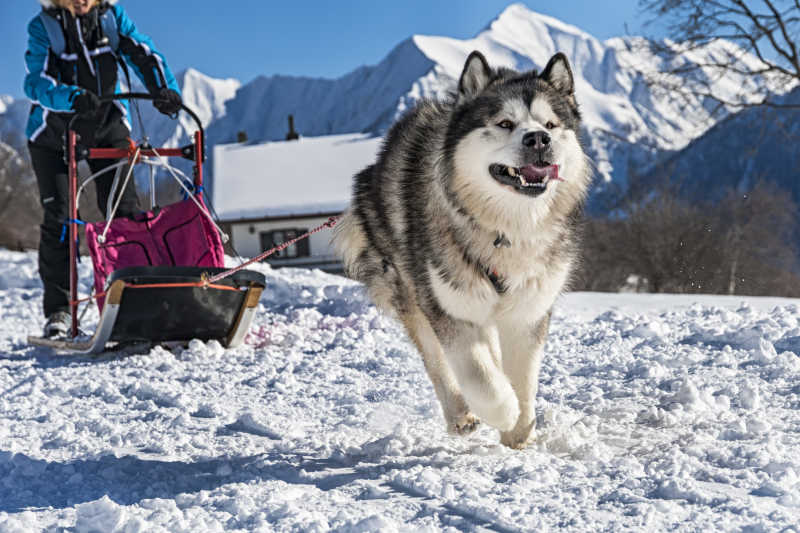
538, 140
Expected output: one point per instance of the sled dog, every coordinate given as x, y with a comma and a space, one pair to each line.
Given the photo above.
465, 229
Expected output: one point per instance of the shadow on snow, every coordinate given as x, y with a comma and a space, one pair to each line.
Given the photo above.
29, 483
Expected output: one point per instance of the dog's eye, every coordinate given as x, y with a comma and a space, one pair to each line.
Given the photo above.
550, 125
506, 124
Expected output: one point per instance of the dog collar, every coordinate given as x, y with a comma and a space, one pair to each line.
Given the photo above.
496, 280
500, 242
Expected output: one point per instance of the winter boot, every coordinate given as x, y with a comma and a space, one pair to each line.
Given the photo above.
57, 325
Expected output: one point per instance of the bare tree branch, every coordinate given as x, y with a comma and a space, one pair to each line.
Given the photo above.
766, 32
763, 58
779, 19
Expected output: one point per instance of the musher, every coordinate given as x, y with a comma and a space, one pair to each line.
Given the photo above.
74, 49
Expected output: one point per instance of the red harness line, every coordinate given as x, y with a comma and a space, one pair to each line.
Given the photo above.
329, 224
211, 282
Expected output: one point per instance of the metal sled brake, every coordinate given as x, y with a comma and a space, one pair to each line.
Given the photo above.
159, 276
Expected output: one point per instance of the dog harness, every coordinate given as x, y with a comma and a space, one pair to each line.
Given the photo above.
500, 242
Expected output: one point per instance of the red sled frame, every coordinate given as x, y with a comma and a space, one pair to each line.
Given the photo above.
113, 153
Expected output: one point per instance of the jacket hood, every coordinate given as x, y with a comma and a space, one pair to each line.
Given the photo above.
49, 3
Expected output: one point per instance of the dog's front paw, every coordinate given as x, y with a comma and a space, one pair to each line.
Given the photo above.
502, 415
519, 437
513, 441
463, 425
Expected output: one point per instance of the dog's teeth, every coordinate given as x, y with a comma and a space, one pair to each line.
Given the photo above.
512, 171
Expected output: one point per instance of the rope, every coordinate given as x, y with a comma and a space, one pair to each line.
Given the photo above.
86, 308
329, 224
96, 175
110, 216
224, 236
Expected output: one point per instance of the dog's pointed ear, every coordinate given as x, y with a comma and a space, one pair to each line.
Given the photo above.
475, 76
559, 74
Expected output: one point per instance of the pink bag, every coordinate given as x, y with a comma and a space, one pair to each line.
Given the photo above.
176, 235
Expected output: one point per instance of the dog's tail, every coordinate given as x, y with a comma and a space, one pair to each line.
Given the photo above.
350, 242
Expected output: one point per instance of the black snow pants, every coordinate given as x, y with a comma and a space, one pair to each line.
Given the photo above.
52, 178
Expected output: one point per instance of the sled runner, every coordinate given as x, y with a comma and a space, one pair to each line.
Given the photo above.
160, 275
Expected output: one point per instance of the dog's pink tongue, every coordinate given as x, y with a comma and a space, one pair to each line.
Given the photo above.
532, 173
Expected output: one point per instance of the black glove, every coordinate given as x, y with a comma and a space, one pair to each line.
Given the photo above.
86, 102
167, 101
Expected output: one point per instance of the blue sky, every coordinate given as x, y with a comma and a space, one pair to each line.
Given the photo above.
246, 38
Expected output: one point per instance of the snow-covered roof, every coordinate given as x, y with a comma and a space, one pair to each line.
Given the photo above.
309, 176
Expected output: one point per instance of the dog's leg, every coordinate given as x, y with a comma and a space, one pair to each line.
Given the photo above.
522, 356
487, 391
457, 415
491, 335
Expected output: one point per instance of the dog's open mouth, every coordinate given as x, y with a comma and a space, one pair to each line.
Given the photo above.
530, 179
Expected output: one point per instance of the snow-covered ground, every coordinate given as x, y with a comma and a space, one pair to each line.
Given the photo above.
655, 413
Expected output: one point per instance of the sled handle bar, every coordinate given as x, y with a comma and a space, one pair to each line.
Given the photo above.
141, 96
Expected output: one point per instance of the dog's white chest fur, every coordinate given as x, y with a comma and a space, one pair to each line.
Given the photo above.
478, 302
473, 303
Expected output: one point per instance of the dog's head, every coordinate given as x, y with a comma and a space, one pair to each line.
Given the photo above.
512, 141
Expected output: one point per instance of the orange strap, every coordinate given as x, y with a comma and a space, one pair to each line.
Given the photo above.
197, 284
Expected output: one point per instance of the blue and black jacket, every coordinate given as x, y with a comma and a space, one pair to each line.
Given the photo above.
86, 62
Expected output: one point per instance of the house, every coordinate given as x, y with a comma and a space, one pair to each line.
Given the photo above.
267, 194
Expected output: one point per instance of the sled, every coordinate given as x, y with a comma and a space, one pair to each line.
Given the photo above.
160, 276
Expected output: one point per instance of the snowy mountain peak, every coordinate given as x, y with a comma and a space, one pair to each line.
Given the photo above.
518, 18
195, 77
192, 72
207, 95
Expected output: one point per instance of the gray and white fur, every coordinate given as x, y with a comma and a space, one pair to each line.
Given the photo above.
462, 232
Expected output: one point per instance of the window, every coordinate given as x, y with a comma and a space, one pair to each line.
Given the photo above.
280, 236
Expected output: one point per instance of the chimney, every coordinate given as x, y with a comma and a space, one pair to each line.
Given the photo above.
241, 137
292, 135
